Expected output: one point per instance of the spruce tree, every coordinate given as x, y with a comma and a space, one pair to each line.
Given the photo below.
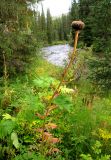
43, 20
17, 40
74, 11
101, 65
102, 26
85, 14
55, 30
49, 27
60, 30
65, 26
43, 27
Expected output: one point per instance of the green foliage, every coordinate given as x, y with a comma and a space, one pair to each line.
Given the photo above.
52, 30
85, 14
97, 153
74, 11
64, 102
6, 127
14, 139
29, 156
101, 72
17, 41
78, 126
102, 39
99, 65
97, 18
43, 82
49, 27
86, 157
82, 9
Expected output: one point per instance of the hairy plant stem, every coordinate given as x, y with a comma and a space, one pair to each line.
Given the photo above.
73, 55
68, 66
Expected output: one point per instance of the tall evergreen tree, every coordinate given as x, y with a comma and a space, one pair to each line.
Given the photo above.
101, 68
16, 38
49, 27
65, 26
85, 14
74, 11
60, 30
55, 30
43, 20
43, 27
102, 26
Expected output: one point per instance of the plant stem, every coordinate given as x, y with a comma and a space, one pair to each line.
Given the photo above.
62, 80
68, 66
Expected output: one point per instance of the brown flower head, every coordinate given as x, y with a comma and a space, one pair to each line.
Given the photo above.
78, 25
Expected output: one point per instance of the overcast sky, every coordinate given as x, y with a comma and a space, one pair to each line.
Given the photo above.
57, 7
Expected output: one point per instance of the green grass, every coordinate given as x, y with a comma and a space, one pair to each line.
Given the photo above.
57, 43
83, 123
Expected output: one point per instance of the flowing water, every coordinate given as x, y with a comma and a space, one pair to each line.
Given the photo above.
57, 54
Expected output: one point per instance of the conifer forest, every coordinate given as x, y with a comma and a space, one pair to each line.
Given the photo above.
55, 81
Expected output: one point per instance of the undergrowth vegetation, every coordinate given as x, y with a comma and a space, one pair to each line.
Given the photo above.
75, 125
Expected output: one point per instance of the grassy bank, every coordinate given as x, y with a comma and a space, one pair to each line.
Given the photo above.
75, 125
56, 43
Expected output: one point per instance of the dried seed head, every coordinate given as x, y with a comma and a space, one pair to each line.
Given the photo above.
78, 25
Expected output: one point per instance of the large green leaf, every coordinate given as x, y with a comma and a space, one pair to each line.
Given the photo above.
6, 127
64, 102
43, 82
14, 139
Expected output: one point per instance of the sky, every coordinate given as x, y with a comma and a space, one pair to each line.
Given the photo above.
57, 7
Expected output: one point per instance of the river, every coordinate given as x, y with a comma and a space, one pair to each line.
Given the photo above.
57, 54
